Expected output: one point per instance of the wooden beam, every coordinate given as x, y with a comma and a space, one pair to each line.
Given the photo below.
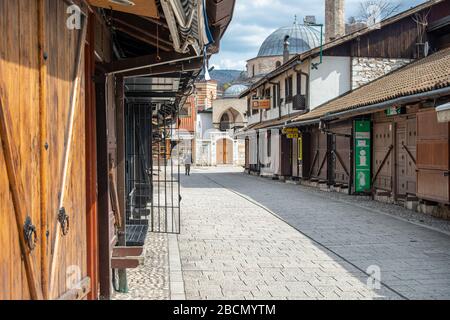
91, 162
151, 94
79, 291
152, 60
17, 193
104, 230
142, 26
126, 262
142, 37
127, 251
146, 8
43, 152
113, 195
189, 66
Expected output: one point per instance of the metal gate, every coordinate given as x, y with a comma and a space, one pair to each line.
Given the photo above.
152, 173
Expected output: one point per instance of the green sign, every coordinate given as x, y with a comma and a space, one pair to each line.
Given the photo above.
362, 156
394, 111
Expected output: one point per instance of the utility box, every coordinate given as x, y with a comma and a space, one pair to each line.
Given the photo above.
443, 113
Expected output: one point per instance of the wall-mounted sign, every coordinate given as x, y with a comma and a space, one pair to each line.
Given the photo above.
260, 104
290, 131
300, 148
362, 146
394, 111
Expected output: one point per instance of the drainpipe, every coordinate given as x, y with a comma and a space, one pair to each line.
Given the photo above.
316, 65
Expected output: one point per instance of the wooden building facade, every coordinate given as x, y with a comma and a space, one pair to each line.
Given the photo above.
62, 118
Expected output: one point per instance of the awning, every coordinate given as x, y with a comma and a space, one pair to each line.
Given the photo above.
145, 8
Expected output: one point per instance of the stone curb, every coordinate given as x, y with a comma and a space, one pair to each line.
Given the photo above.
177, 291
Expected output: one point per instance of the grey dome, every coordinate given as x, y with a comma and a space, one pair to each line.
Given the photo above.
301, 38
234, 91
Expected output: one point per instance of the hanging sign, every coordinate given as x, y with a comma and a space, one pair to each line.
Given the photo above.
290, 131
362, 146
258, 104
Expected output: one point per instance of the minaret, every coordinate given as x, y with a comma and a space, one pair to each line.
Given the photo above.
334, 19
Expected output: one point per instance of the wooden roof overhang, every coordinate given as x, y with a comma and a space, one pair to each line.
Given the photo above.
143, 45
146, 8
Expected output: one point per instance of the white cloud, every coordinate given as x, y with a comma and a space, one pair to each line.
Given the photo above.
254, 20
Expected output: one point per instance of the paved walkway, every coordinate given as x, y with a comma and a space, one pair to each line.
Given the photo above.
151, 280
245, 237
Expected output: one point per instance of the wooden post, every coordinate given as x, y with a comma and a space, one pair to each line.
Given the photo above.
103, 193
91, 163
17, 194
121, 192
43, 148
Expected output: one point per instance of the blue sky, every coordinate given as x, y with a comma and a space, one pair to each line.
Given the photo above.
254, 20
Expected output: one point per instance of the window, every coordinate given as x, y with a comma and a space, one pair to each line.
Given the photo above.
254, 111
225, 123
267, 94
278, 95
299, 83
253, 70
288, 89
269, 143
278, 64
274, 97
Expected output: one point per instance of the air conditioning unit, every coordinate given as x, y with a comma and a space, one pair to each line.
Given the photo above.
299, 102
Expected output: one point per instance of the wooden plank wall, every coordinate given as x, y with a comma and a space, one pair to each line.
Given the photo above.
19, 71
19, 77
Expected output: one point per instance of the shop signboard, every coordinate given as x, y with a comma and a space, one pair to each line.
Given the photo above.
260, 104
362, 145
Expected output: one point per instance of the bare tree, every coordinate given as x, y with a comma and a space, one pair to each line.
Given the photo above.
377, 10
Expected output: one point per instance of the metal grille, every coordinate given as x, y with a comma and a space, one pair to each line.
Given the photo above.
152, 174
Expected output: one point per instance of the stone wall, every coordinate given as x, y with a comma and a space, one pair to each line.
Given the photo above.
263, 65
365, 70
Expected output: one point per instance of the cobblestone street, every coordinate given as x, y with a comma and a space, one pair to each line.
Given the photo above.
246, 237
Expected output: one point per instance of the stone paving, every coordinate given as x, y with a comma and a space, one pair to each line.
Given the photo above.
151, 280
245, 237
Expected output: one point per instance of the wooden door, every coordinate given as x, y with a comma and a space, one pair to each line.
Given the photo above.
286, 156
220, 151
433, 163
20, 102
341, 155
319, 148
228, 151
383, 155
405, 152
47, 129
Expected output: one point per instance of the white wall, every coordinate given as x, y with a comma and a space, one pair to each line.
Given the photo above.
330, 80
204, 123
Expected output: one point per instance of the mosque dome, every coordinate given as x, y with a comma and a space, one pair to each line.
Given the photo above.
301, 38
234, 91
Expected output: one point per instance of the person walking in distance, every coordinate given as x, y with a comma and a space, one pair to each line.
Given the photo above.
187, 164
